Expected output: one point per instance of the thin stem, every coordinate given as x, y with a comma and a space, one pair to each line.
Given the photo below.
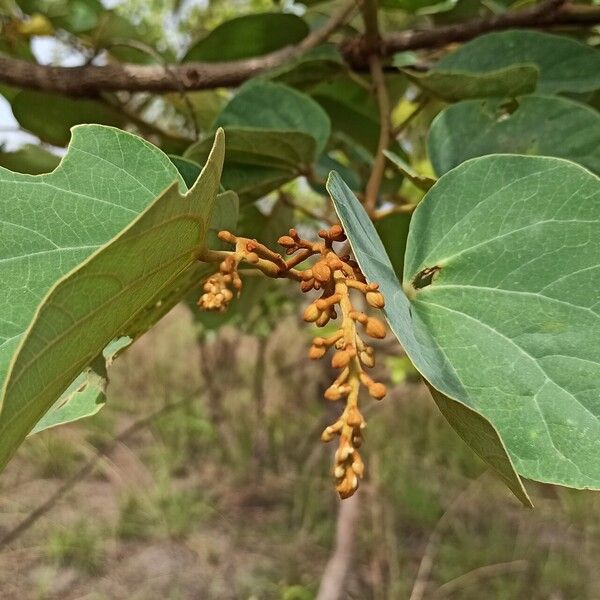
383, 103
423, 101
373, 47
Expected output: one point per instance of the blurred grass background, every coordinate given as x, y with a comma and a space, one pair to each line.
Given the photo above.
229, 496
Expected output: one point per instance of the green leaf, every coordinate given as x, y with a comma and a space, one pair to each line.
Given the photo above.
393, 233
268, 105
86, 395
540, 125
248, 36
257, 161
76, 16
351, 108
421, 181
51, 116
512, 311
95, 244
477, 431
29, 159
311, 68
290, 150
564, 64
188, 169
453, 84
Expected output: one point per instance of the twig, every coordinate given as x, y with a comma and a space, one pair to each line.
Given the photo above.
90, 80
88, 467
150, 51
383, 103
486, 571
372, 44
287, 200
401, 127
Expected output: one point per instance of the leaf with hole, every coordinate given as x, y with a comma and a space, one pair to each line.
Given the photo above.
474, 429
500, 313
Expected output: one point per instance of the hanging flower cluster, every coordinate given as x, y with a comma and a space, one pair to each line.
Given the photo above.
335, 276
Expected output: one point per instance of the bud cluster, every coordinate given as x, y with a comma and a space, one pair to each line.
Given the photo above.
335, 276
217, 293
217, 288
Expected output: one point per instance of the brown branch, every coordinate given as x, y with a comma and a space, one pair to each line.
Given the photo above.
90, 80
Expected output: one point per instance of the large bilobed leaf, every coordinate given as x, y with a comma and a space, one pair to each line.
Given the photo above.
539, 125
472, 427
248, 36
564, 64
453, 85
51, 116
502, 270
84, 252
273, 106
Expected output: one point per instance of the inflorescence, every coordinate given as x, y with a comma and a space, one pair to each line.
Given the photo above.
335, 276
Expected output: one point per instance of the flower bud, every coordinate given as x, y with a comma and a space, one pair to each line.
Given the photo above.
354, 418
323, 319
321, 271
375, 299
367, 359
340, 359
333, 392
377, 391
286, 241
337, 233
358, 466
307, 285
316, 352
311, 313
375, 328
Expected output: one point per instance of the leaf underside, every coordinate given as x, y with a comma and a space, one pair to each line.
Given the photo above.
94, 243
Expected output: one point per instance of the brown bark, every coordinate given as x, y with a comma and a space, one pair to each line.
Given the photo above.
91, 80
